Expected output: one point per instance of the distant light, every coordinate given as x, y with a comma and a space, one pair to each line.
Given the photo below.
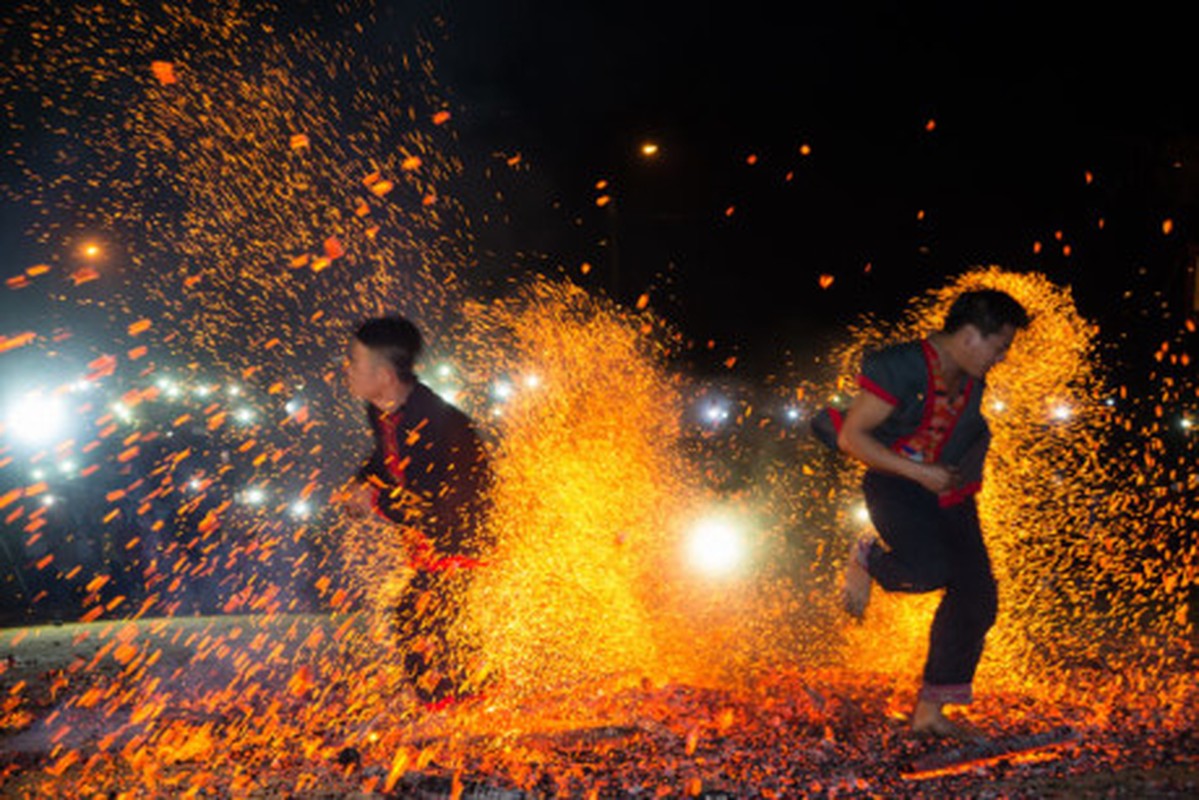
243, 415
444, 370
532, 380
292, 406
36, 418
1110, 402
998, 406
38, 474
792, 413
1186, 423
123, 411
195, 484
502, 390
861, 513
649, 149
447, 394
66, 467
301, 509
169, 387
716, 546
82, 386
254, 496
716, 413
234, 389
48, 500
1061, 412
203, 391
91, 250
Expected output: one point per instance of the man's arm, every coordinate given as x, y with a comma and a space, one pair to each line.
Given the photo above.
867, 412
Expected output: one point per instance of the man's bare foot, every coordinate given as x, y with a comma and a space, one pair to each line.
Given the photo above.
855, 595
929, 719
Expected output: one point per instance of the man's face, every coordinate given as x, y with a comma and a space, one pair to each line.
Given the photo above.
985, 351
364, 373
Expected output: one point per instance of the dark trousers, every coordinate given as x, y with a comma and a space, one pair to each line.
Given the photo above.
930, 548
434, 662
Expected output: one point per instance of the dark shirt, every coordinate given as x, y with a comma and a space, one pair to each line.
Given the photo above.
430, 471
903, 376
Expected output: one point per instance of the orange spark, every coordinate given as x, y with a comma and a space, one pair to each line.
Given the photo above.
13, 342
83, 275
164, 71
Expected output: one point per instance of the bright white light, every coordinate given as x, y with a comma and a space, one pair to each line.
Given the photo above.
715, 413
447, 394
502, 390
292, 406
169, 387
301, 509
38, 474
123, 411
861, 513
1061, 412
234, 389
532, 380
792, 414
254, 496
444, 371
998, 406
66, 467
36, 418
203, 391
1186, 423
48, 500
715, 546
194, 484
82, 386
244, 415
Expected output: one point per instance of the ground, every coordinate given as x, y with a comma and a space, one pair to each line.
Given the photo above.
238, 707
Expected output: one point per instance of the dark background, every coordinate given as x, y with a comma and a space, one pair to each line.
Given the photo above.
1026, 101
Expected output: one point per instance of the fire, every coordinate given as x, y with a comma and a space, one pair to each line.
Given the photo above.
1056, 512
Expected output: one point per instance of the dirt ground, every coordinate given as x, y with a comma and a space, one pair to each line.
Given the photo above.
245, 712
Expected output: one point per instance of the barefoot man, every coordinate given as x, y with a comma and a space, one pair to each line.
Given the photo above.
427, 478
917, 426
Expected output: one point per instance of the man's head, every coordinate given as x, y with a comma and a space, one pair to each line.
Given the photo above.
981, 324
382, 355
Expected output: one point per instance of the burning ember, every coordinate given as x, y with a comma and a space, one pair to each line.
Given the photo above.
659, 614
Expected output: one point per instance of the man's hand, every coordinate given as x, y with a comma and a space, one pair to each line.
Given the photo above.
356, 499
938, 478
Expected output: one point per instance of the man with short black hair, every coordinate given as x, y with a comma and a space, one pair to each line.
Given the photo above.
429, 474
917, 426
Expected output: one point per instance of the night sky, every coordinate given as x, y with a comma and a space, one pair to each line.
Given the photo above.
942, 137
1024, 102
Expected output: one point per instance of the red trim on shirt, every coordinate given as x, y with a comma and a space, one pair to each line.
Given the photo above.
955, 496
378, 507
390, 425
932, 365
877, 390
